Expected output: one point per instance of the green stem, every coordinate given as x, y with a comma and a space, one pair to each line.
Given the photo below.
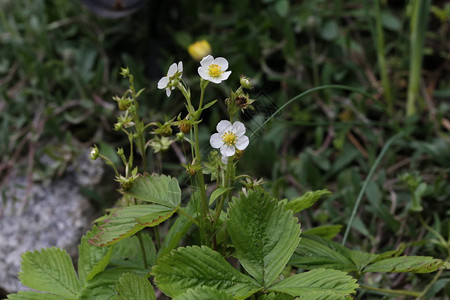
109, 162
382, 58
200, 181
201, 186
388, 291
182, 212
141, 243
366, 182
157, 238
418, 24
228, 180
435, 278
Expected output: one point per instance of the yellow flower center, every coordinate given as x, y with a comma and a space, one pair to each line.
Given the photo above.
214, 70
229, 138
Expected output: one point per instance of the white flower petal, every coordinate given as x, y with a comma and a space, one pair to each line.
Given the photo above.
222, 62
224, 159
180, 67
226, 150
223, 126
216, 140
163, 82
242, 142
168, 92
203, 73
238, 128
225, 75
206, 61
214, 80
172, 70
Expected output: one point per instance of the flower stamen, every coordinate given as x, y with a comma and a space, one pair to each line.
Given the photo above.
215, 70
229, 138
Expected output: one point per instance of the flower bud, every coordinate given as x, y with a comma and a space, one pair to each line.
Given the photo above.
180, 136
245, 82
94, 153
125, 72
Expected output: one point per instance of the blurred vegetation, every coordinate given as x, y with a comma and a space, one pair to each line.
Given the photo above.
59, 66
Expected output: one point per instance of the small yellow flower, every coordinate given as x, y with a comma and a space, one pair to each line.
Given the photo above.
199, 49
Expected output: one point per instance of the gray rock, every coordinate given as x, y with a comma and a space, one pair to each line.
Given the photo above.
56, 214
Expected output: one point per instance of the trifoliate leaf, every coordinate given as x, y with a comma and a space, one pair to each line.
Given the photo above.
264, 235
193, 267
306, 200
92, 259
125, 221
134, 287
102, 286
204, 293
50, 270
160, 189
317, 281
401, 264
34, 296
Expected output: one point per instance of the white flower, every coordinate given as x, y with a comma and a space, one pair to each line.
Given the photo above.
229, 137
214, 70
167, 82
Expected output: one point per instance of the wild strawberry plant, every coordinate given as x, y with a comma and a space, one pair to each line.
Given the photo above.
247, 243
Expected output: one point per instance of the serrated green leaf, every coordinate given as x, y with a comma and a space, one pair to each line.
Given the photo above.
92, 259
127, 252
264, 235
103, 284
193, 267
160, 189
389, 254
217, 193
29, 295
134, 287
125, 221
401, 264
50, 270
322, 296
326, 231
317, 281
313, 252
204, 293
275, 296
305, 201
